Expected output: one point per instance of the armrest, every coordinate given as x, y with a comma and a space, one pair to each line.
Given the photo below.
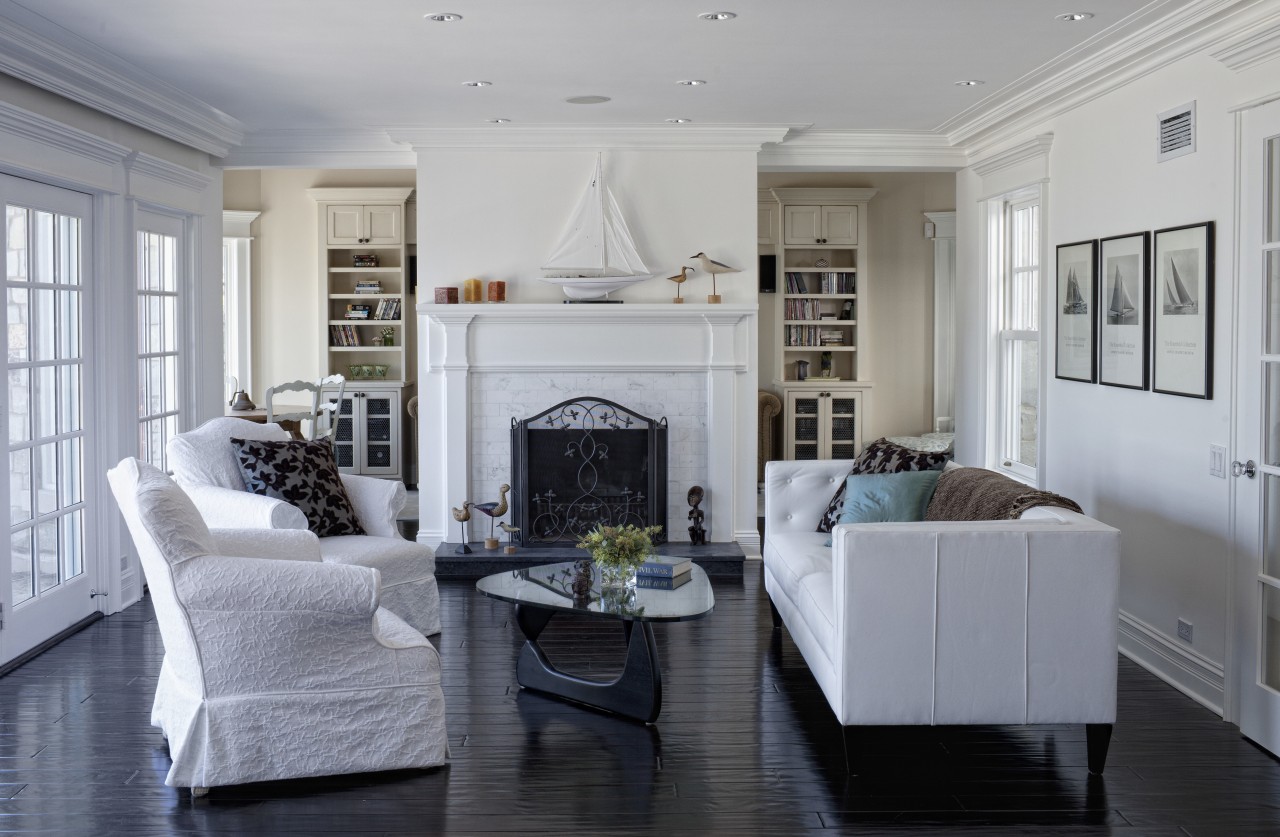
256, 585
797, 492
280, 544
376, 503
226, 508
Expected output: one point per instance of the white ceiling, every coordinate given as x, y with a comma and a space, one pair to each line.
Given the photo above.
350, 64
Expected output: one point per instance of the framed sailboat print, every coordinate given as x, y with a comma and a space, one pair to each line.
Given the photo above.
1182, 311
1124, 319
1076, 300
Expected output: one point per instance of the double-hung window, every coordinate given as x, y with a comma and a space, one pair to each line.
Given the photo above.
1014, 257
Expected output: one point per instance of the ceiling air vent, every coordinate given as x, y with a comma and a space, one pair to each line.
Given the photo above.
1177, 132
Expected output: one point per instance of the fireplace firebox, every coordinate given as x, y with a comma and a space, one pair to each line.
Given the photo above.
583, 462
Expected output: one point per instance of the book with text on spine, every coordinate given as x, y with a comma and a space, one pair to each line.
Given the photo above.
659, 582
664, 567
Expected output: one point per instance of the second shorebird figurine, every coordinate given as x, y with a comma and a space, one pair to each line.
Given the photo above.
462, 515
680, 278
494, 511
715, 268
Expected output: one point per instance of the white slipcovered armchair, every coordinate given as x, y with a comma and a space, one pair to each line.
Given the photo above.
204, 463
276, 665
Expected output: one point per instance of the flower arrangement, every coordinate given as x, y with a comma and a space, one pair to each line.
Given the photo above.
618, 550
388, 336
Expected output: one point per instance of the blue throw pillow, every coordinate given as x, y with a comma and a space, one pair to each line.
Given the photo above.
887, 498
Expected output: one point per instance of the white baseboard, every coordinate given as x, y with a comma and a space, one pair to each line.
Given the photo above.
1193, 674
749, 540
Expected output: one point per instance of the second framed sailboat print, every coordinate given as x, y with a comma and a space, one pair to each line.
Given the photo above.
1076, 300
1182, 311
1124, 318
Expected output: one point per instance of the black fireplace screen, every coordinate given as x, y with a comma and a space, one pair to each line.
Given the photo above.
583, 462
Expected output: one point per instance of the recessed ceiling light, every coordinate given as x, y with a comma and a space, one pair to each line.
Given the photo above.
970, 82
477, 84
588, 100
691, 82
717, 16
679, 121
1074, 17
443, 17
499, 121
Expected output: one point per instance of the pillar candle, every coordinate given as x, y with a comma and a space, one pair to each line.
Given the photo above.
471, 290
497, 291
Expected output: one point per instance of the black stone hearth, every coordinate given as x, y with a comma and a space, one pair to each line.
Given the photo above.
583, 462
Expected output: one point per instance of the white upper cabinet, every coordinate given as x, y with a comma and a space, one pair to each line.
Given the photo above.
375, 225
820, 225
767, 224
839, 225
345, 225
802, 225
384, 224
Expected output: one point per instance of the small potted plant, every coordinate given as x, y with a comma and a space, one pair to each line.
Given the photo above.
388, 336
618, 551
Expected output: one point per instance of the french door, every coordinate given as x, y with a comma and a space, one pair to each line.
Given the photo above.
47, 576
1257, 469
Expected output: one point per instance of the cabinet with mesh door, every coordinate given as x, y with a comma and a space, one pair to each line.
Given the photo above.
368, 437
824, 423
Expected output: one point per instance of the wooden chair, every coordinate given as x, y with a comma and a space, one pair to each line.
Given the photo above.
329, 408
308, 408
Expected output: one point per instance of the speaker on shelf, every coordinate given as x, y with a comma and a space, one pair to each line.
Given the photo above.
768, 274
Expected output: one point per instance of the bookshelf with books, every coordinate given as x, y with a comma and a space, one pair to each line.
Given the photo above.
822, 316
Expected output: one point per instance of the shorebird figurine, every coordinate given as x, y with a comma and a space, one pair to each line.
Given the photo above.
493, 511
715, 268
462, 515
510, 548
680, 278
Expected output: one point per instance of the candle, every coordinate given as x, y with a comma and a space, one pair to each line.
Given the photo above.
497, 291
446, 296
471, 290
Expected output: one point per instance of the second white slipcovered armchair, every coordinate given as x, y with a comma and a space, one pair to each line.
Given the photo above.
204, 463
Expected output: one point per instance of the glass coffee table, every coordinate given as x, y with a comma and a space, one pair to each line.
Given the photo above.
539, 593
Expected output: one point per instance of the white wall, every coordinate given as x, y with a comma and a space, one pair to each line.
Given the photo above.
287, 332
1136, 460
901, 259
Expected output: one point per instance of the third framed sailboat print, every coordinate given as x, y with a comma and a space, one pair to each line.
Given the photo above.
1124, 312
1182, 311
1077, 298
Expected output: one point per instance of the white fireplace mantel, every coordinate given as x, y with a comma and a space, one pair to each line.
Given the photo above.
642, 348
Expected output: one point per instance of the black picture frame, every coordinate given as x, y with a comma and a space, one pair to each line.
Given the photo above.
1076, 332
1124, 323
1182, 309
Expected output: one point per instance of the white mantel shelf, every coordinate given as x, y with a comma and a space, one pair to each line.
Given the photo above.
466, 349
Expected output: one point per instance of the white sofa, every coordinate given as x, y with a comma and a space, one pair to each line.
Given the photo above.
993, 622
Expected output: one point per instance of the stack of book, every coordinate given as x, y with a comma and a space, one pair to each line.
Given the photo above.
368, 286
662, 573
388, 309
832, 337
364, 260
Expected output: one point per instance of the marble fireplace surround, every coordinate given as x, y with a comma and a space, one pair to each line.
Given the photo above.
694, 363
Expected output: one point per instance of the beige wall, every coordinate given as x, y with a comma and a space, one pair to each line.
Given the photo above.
287, 333
901, 273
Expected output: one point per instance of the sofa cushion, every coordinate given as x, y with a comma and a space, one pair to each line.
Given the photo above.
881, 457
792, 556
399, 561
302, 474
887, 498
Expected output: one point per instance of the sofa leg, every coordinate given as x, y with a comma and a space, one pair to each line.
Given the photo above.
851, 754
1098, 739
773, 612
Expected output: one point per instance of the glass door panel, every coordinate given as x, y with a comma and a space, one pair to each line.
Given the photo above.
378, 429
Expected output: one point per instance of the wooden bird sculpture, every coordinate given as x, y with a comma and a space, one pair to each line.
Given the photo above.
462, 515
680, 278
494, 510
511, 531
715, 268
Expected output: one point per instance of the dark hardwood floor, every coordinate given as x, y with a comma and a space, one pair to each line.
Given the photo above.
745, 745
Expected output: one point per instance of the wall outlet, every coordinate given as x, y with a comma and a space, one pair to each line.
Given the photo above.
1184, 630
1218, 461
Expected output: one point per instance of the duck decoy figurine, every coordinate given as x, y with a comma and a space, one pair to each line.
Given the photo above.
680, 278
494, 511
462, 515
510, 548
715, 268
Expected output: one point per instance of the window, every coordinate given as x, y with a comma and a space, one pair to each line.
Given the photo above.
159, 341
1014, 258
236, 287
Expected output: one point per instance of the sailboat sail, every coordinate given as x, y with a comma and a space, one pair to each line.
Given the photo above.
1121, 304
1075, 303
597, 241
1177, 299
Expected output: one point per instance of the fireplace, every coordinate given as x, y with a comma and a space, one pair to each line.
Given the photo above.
583, 462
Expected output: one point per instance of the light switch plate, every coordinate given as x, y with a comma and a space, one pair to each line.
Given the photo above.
1218, 461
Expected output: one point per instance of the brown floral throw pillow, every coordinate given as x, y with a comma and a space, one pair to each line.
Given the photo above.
881, 457
302, 474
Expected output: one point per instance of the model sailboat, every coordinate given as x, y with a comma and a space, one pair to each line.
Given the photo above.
1121, 305
596, 254
1177, 299
1075, 303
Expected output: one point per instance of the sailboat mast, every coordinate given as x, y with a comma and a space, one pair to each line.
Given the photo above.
598, 184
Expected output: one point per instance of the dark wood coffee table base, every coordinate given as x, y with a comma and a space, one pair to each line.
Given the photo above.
636, 693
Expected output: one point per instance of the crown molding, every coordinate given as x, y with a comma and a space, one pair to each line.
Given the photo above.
320, 148
41, 53
236, 222
822, 194
163, 170
1146, 41
864, 151
32, 126
1033, 149
738, 137
347, 194
1254, 47
944, 223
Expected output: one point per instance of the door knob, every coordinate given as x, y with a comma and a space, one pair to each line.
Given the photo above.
1244, 469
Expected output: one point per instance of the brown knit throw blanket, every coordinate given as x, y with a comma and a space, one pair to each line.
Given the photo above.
979, 494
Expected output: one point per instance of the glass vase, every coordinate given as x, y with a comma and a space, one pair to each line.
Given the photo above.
616, 577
